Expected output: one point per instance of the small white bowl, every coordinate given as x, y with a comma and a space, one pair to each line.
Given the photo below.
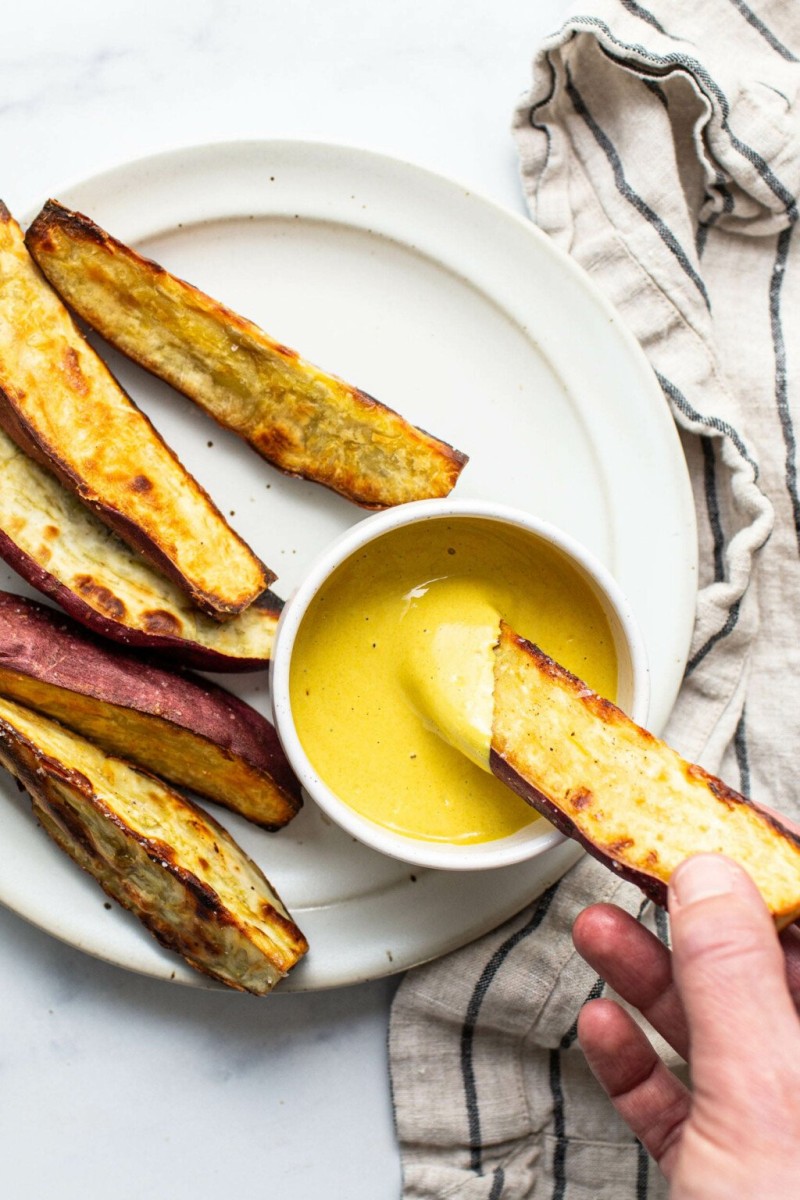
633, 686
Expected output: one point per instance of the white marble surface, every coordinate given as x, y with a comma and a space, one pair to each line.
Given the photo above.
112, 1084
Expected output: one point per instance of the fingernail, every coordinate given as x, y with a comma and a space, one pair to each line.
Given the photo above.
703, 876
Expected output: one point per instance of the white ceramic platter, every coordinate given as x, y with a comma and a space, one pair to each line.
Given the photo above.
468, 321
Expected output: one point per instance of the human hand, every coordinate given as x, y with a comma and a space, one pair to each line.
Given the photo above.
726, 1000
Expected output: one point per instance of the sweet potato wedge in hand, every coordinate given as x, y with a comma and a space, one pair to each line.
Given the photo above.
58, 546
181, 727
61, 405
624, 794
299, 418
156, 853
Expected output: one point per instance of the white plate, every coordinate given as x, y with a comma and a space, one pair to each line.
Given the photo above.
469, 322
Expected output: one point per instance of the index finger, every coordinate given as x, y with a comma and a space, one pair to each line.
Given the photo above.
636, 965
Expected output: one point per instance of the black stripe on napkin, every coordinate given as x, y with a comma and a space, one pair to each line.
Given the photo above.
742, 756
767, 34
727, 207
628, 193
664, 64
642, 1171
657, 91
534, 124
720, 635
559, 1127
712, 506
557, 1093
485, 980
677, 398
781, 391
636, 10
661, 923
498, 1183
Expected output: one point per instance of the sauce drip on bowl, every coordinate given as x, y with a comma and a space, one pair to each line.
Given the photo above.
400, 638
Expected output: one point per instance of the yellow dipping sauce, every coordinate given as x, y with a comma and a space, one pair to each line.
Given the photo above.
424, 596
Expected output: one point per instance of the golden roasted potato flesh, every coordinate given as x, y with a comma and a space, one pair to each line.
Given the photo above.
299, 418
62, 406
157, 854
623, 793
59, 546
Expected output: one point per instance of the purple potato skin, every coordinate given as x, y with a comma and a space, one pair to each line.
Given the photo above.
178, 650
43, 645
655, 889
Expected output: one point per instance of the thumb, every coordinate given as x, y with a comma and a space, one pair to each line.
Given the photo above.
729, 970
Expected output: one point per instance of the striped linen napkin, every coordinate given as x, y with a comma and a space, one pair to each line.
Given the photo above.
660, 147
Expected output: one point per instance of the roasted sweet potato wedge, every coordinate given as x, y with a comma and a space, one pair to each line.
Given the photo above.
61, 405
183, 728
624, 794
300, 419
60, 548
156, 853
